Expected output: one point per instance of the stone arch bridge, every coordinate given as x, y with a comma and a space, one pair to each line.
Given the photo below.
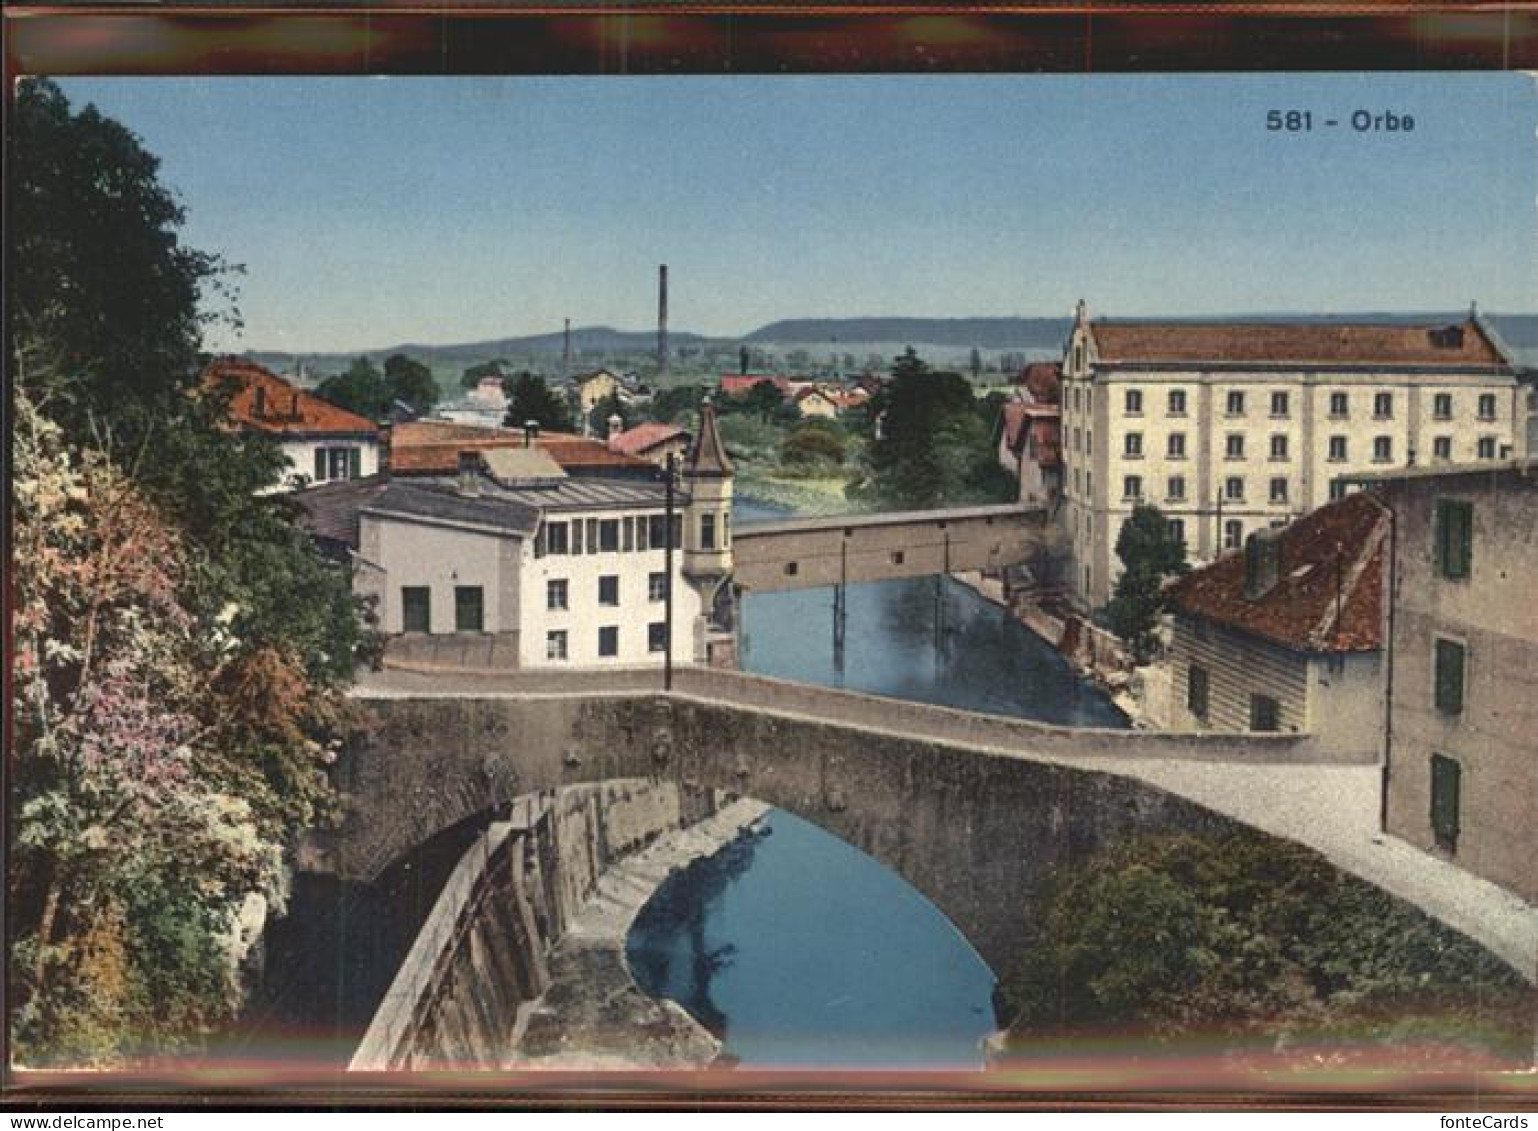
970, 809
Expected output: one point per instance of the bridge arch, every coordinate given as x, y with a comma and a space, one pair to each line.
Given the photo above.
972, 829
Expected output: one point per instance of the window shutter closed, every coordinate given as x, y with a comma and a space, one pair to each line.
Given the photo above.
320, 464
355, 463
1454, 538
1446, 783
1449, 677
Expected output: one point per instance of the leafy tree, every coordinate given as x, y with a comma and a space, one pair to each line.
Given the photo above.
1174, 934
815, 441
611, 405
181, 647
1150, 554
678, 404
763, 400
409, 381
531, 399
104, 301
474, 374
361, 389
935, 446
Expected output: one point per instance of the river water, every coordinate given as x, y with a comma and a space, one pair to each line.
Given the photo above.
796, 948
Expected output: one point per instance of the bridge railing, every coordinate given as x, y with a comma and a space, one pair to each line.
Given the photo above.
875, 712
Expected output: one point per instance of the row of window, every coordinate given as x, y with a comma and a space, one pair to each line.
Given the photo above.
1175, 489
558, 590
1236, 401
558, 641
1265, 710
1281, 452
338, 463
639, 533
1450, 659
417, 612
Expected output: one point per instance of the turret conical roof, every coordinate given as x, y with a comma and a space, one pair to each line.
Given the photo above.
707, 456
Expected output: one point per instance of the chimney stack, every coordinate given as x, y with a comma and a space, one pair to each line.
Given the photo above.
662, 319
742, 361
566, 351
530, 432
616, 426
293, 408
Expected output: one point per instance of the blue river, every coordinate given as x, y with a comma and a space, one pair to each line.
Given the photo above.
797, 949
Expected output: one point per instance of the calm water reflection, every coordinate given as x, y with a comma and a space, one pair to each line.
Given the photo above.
798, 948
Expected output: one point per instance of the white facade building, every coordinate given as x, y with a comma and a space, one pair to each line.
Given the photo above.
1230, 427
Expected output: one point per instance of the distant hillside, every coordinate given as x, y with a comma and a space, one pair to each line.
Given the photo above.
964, 333
945, 340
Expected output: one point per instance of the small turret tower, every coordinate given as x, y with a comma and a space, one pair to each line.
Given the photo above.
707, 476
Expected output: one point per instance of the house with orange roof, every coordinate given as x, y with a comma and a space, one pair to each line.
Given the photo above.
652, 441
1286, 635
323, 442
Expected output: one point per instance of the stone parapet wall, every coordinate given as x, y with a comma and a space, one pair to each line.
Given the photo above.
481, 957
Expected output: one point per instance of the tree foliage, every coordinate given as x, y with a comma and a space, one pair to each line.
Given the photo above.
1176, 934
181, 648
935, 446
530, 398
677, 405
611, 405
473, 374
814, 442
409, 381
1150, 553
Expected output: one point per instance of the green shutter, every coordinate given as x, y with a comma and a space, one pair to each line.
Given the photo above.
1449, 677
1454, 538
1446, 784
355, 463
320, 465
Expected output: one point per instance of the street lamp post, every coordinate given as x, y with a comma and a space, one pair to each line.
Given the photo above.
667, 585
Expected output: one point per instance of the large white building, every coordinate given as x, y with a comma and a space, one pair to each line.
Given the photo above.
551, 553
1232, 427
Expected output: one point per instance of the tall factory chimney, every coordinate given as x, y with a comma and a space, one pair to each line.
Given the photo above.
566, 351
662, 319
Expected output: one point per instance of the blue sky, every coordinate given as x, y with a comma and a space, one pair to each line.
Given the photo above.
373, 211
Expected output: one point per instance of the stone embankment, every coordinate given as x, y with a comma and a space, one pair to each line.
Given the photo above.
593, 1014
522, 957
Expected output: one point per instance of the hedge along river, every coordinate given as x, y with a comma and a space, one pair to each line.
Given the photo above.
796, 948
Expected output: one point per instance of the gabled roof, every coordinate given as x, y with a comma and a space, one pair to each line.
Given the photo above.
644, 437
1299, 343
432, 447
331, 509
1019, 417
265, 402
1328, 597
1041, 379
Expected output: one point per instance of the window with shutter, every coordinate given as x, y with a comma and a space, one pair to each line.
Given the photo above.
1449, 677
1454, 538
1446, 784
355, 463
1196, 691
320, 465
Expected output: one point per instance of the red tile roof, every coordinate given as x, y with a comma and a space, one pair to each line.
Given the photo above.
645, 437
1041, 379
432, 447
284, 409
1344, 343
735, 385
1328, 596
1039, 420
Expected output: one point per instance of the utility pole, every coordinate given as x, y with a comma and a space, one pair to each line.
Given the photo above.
667, 586
841, 606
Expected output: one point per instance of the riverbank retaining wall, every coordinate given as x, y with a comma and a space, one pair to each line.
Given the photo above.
481, 958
